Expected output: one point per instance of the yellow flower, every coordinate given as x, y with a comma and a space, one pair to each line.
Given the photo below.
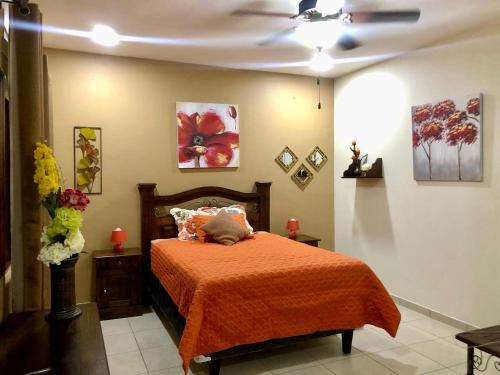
46, 170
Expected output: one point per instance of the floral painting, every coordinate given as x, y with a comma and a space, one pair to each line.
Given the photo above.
447, 140
208, 135
88, 159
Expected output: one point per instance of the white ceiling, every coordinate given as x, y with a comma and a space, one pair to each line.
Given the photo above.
204, 32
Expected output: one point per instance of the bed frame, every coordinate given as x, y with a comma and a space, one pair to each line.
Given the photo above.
156, 222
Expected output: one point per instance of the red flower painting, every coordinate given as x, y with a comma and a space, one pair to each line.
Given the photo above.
446, 125
204, 140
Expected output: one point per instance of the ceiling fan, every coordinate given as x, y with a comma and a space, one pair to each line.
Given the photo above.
327, 15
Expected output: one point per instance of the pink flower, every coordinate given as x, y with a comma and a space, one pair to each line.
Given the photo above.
73, 198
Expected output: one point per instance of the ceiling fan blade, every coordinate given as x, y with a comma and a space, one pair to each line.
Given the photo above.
347, 42
387, 16
276, 37
248, 12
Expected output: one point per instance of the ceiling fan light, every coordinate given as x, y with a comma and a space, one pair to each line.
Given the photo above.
105, 36
326, 7
318, 34
321, 62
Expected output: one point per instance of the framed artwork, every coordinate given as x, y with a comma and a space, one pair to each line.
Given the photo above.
208, 135
87, 148
286, 159
447, 139
317, 158
302, 176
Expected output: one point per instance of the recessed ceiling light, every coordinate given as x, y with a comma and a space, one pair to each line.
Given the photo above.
321, 61
104, 35
318, 34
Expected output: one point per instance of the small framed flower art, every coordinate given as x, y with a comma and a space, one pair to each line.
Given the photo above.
87, 148
207, 135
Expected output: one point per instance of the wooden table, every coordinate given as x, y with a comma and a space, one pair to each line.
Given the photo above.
31, 345
487, 340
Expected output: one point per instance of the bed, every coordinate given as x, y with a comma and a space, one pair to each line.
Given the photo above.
258, 294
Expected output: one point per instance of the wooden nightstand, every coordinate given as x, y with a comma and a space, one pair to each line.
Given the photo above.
304, 238
118, 283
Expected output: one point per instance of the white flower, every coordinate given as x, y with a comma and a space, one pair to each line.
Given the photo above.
75, 242
54, 254
57, 252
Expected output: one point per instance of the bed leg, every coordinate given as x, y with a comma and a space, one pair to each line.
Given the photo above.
214, 367
347, 341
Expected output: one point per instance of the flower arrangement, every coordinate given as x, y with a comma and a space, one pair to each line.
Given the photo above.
359, 162
62, 238
355, 152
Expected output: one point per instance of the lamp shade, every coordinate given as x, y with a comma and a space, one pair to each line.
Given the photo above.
118, 237
293, 224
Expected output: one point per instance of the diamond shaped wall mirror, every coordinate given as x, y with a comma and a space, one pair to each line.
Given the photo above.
286, 159
317, 158
302, 176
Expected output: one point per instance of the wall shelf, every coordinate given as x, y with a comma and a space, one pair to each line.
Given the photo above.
375, 172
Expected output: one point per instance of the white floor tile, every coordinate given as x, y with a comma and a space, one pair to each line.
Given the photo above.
360, 365
152, 338
405, 361
367, 340
120, 343
243, 366
172, 371
442, 372
490, 370
281, 361
328, 350
115, 326
408, 315
316, 370
408, 335
454, 341
160, 358
442, 352
145, 322
435, 327
130, 363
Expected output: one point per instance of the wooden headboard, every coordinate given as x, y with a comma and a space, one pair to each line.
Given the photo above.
157, 222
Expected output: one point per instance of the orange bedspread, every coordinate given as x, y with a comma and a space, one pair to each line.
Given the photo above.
266, 287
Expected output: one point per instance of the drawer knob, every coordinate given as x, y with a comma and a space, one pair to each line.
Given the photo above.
119, 262
105, 290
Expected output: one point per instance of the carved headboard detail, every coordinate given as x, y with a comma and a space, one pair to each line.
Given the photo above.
156, 221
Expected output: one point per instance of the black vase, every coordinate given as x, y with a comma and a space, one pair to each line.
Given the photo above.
62, 290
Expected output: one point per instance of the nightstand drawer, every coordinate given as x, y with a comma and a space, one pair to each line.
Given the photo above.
118, 263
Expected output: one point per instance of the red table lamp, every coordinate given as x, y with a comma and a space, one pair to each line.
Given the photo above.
118, 237
293, 227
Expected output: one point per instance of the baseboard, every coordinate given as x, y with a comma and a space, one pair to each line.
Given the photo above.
454, 322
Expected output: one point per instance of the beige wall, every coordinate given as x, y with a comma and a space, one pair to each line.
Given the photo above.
134, 100
433, 243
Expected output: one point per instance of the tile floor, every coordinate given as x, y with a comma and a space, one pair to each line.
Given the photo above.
141, 345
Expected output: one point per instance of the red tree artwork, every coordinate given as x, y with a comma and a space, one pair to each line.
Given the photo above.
444, 122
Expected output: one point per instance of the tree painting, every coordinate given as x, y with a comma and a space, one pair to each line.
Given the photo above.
207, 135
88, 160
446, 140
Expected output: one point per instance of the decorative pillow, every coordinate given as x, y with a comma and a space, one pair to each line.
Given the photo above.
225, 229
185, 224
239, 209
184, 220
200, 220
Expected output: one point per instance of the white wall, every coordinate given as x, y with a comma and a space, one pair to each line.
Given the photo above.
433, 243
